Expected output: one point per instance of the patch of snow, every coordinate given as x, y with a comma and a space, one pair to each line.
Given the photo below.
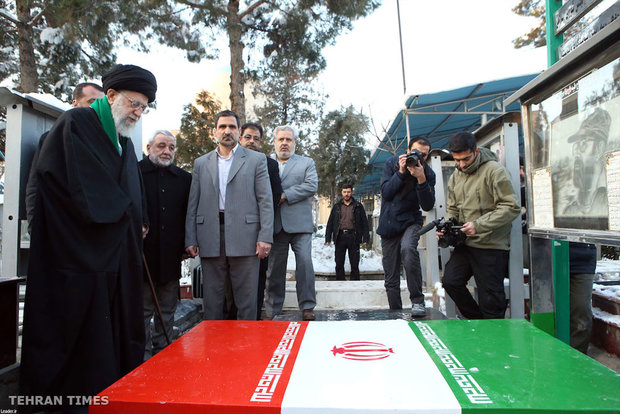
607, 269
610, 292
50, 100
606, 317
324, 262
52, 35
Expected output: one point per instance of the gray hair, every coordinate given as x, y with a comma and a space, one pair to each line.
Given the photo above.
163, 132
285, 128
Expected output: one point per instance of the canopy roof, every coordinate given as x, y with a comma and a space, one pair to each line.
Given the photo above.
438, 116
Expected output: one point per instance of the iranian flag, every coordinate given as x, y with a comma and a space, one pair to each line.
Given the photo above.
393, 366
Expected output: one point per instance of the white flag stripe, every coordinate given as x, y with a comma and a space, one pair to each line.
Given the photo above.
390, 371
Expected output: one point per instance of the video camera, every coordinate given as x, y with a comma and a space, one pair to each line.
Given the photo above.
414, 157
452, 234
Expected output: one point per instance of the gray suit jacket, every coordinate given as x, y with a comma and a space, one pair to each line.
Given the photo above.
248, 212
299, 184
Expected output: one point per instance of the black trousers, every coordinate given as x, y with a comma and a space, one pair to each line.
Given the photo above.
488, 267
346, 242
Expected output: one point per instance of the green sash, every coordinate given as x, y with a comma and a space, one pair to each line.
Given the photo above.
104, 112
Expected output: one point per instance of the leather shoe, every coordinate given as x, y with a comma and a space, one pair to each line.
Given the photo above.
308, 315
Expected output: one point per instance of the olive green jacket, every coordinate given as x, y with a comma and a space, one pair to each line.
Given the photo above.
483, 193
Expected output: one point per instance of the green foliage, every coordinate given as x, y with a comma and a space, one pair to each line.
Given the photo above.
339, 153
288, 98
197, 124
75, 39
536, 36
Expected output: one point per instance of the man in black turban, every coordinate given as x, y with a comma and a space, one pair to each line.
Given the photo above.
83, 324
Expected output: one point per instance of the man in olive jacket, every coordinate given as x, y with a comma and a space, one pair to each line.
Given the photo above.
480, 195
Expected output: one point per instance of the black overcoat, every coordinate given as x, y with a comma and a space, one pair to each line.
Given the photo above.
83, 317
167, 191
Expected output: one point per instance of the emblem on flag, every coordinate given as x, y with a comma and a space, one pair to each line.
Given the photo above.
362, 351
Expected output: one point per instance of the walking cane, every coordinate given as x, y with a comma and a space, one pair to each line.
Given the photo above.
161, 318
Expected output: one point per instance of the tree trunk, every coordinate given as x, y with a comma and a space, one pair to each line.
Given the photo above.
29, 77
237, 67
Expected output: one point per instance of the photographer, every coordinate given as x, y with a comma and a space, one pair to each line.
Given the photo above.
406, 185
481, 196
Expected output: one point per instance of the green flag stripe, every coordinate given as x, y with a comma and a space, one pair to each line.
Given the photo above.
510, 366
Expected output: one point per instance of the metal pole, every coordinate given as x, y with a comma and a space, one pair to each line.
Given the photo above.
553, 41
402, 55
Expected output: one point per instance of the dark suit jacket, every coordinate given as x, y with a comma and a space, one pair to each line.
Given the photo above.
274, 180
167, 191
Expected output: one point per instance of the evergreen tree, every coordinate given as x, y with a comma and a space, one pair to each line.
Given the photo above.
536, 36
305, 26
339, 154
51, 45
287, 97
196, 135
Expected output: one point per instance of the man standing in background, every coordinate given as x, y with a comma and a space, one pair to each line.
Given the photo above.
348, 227
166, 187
251, 137
293, 226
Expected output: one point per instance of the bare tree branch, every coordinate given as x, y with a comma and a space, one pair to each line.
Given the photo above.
8, 16
36, 18
251, 8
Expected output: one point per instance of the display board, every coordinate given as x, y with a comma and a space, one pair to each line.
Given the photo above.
575, 141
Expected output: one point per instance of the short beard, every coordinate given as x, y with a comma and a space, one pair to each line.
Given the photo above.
159, 162
122, 123
285, 155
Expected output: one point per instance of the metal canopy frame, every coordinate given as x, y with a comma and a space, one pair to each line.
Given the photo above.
438, 116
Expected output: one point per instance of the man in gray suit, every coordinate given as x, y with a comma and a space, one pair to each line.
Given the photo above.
293, 226
229, 220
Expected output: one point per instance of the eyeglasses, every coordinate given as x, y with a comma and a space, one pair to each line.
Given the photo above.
136, 104
253, 138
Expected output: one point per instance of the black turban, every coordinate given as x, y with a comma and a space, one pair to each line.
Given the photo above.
130, 78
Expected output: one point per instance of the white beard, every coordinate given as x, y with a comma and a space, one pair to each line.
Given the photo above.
159, 162
122, 123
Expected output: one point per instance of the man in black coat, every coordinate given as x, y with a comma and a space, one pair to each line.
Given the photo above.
167, 190
251, 137
404, 190
83, 324
348, 227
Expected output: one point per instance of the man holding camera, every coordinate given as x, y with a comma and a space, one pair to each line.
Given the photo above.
407, 184
480, 195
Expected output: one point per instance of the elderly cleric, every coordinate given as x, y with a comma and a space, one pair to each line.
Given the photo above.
83, 325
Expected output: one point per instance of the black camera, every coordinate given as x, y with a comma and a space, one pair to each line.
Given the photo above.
414, 157
452, 234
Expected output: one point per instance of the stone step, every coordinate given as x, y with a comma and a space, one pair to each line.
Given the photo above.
606, 321
348, 295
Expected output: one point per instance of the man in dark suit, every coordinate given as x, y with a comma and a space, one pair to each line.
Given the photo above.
229, 220
167, 189
251, 137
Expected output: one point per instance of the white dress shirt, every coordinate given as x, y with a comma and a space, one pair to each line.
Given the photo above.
223, 168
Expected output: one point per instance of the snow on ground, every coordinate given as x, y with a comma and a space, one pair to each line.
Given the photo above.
607, 269
611, 292
606, 317
323, 258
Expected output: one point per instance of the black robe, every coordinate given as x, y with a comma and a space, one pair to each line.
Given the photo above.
167, 191
83, 320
